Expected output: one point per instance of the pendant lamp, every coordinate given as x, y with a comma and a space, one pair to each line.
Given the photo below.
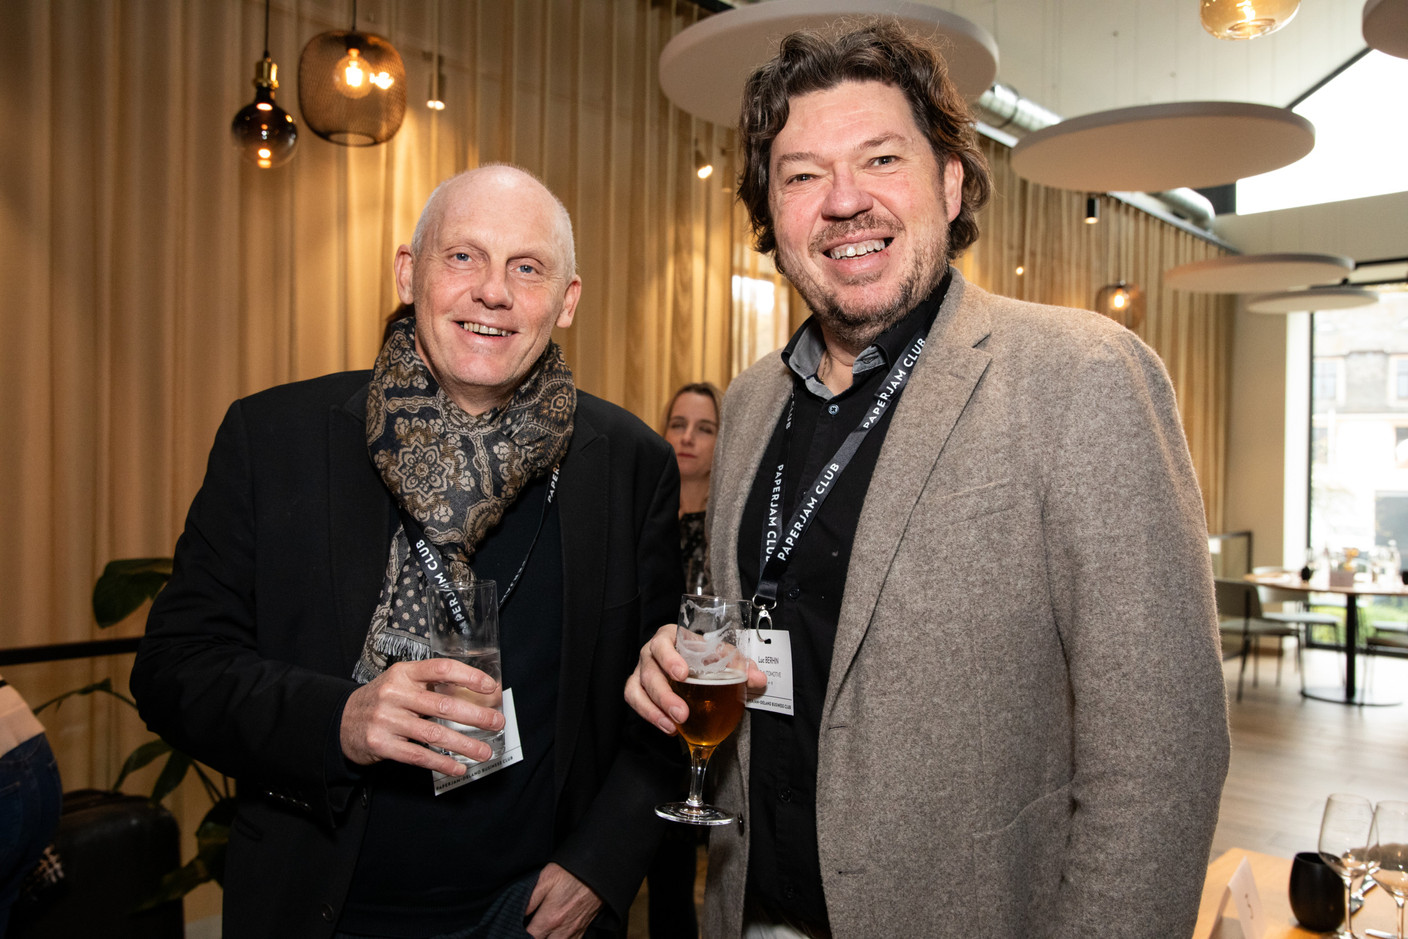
352, 87
1123, 303
1246, 19
264, 132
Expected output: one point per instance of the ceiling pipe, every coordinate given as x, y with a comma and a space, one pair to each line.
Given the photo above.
1006, 116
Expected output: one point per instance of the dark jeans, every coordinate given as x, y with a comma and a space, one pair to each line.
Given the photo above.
30, 799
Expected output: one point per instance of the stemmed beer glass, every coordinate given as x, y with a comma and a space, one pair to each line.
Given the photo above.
707, 636
1344, 844
1388, 852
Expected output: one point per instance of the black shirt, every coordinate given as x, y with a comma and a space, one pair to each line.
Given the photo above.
784, 871
432, 864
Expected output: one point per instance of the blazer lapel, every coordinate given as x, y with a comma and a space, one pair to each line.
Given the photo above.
943, 382
747, 424
582, 502
359, 523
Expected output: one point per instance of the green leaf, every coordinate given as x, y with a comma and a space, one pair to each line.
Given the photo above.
213, 835
104, 687
178, 883
125, 585
140, 757
171, 775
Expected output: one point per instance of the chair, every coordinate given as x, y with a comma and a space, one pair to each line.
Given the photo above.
1294, 610
1384, 639
1239, 613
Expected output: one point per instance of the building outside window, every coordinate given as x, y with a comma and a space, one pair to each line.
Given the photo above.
1359, 427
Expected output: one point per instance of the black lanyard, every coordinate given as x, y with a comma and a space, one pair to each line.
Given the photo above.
437, 572
779, 542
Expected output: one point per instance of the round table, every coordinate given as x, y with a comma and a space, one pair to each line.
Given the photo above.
1352, 591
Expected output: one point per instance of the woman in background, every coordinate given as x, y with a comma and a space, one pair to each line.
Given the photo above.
691, 427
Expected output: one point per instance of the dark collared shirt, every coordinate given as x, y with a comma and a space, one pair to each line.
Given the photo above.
784, 871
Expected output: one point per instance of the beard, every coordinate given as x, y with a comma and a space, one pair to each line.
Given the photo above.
856, 326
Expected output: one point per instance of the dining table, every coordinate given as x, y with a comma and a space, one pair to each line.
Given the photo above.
1351, 588
1273, 878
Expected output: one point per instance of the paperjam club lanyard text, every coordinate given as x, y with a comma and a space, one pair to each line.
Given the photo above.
437, 572
780, 542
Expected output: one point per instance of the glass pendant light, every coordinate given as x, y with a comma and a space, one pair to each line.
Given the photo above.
352, 87
1123, 303
1246, 19
264, 132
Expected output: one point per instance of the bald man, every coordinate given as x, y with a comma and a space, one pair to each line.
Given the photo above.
288, 649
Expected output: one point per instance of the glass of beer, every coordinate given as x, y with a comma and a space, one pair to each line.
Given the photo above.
707, 636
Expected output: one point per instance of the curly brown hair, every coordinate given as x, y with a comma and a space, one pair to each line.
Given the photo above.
883, 51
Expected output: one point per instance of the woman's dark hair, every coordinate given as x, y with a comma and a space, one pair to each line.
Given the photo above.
884, 51
706, 388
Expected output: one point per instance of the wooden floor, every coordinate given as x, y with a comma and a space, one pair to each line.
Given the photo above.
1288, 754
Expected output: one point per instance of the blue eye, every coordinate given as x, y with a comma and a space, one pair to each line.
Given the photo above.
460, 256
526, 269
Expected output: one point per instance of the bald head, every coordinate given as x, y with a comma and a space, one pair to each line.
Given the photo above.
499, 175
491, 271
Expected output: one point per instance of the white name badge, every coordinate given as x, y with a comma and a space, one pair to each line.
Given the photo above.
771, 649
513, 753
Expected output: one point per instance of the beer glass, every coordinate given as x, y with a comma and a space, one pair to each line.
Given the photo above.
1344, 844
707, 636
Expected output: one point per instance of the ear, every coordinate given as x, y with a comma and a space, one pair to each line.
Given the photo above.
953, 186
403, 265
569, 303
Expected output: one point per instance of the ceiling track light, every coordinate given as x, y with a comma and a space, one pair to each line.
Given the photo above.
264, 132
703, 166
1246, 19
1092, 210
435, 100
352, 87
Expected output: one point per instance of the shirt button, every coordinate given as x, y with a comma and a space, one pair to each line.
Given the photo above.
784, 795
794, 593
833, 409
327, 913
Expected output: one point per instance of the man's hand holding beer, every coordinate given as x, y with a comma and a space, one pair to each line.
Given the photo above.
648, 689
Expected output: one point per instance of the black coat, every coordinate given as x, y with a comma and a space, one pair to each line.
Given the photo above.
249, 650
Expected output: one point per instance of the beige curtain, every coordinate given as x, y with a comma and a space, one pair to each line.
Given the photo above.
151, 276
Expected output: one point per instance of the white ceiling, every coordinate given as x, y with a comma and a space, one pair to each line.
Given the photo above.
1080, 56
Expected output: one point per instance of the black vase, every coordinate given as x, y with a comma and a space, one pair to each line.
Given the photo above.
1317, 893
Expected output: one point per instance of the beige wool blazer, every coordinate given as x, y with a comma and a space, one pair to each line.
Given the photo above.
1024, 733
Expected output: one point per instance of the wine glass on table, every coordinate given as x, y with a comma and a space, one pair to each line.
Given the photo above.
1344, 844
707, 637
1388, 852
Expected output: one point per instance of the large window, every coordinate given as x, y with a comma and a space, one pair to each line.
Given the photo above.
1359, 427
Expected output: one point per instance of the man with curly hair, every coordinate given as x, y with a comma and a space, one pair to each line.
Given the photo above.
976, 549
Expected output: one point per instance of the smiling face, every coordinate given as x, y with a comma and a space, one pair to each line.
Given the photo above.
692, 430
492, 277
860, 208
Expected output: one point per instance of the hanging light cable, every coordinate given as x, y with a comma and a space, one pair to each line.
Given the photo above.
352, 86
1246, 19
264, 132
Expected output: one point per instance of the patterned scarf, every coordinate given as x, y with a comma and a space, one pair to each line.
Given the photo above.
452, 472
